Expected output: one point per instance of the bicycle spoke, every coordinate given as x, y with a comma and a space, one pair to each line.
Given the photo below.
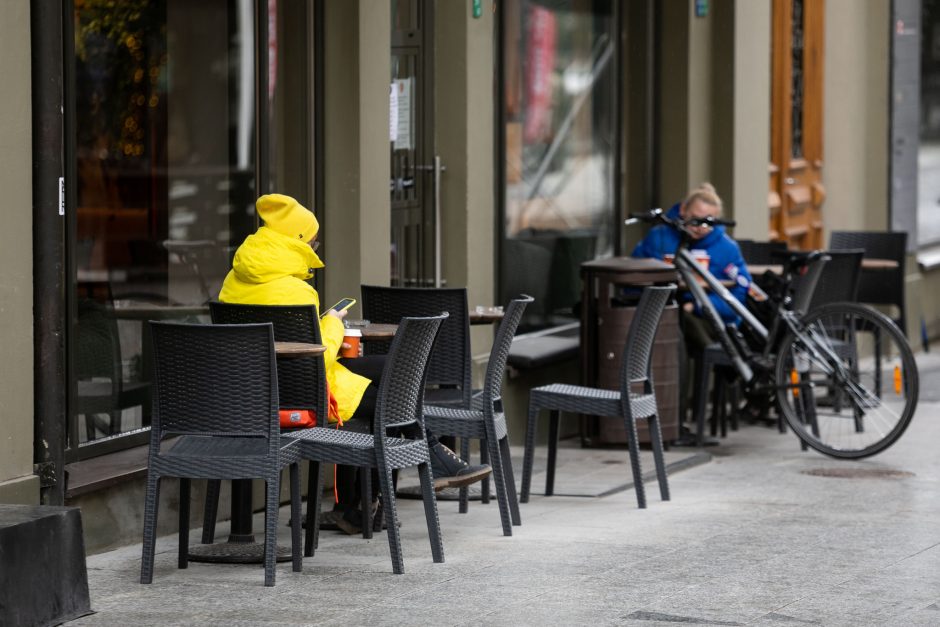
835, 373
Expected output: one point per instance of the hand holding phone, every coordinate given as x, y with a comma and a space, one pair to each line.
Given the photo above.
342, 305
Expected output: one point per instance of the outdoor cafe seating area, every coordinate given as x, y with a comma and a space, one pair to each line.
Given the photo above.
218, 389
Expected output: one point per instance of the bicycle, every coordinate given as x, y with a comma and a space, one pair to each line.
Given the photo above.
843, 375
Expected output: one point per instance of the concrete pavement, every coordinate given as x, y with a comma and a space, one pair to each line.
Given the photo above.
760, 535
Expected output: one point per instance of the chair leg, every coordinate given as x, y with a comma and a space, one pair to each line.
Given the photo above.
365, 500
716, 403
430, 513
735, 402
314, 489
630, 427
484, 485
151, 506
499, 480
529, 454
701, 398
509, 481
553, 419
394, 537
183, 560
272, 484
213, 487
656, 440
295, 524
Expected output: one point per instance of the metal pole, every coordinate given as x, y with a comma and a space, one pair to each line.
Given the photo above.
437, 220
51, 187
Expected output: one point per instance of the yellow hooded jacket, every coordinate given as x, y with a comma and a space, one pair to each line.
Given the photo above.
271, 269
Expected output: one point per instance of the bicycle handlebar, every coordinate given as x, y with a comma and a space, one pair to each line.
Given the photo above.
659, 216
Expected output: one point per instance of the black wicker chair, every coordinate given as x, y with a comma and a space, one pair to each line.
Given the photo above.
879, 287
449, 371
484, 419
763, 253
216, 390
625, 402
301, 382
399, 403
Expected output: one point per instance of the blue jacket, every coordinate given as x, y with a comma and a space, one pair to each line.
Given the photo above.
726, 261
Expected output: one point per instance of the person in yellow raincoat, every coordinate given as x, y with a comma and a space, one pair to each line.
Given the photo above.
272, 267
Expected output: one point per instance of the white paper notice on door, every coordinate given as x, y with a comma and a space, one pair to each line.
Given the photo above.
392, 112
403, 139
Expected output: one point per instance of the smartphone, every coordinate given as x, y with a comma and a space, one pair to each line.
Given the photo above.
344, 303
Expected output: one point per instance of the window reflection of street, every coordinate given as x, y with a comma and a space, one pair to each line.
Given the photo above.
560, 151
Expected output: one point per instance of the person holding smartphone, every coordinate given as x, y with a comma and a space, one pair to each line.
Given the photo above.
272, 267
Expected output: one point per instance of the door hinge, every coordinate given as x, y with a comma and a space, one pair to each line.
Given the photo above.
47, 474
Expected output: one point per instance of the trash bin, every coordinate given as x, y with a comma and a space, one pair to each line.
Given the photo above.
610, 290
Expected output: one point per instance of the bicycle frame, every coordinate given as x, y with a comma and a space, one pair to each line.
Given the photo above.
688, 269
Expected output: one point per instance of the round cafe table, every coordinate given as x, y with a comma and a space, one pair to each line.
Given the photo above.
240, 547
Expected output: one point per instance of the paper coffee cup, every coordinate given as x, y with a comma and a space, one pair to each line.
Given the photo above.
352, 338
702, 257
671, 259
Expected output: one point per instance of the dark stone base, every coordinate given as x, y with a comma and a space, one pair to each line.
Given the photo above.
235, 553
43, 580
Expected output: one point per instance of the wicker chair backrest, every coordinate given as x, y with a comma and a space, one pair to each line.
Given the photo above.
638, 350
401, 391
214, 380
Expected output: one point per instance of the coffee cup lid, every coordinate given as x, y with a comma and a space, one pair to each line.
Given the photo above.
353, 333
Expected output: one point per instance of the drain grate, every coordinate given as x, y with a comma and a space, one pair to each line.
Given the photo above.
858, 473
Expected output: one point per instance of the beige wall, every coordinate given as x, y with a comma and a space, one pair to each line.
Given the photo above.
357, 214
855, 140
716, 106
747, 193
463, 54
17, 482
674, 135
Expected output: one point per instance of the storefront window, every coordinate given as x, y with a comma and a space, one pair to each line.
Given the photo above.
560, 147
166, 169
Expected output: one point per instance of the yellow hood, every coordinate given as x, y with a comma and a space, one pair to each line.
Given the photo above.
271, 269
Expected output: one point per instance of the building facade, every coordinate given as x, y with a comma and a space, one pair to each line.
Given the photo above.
468, 143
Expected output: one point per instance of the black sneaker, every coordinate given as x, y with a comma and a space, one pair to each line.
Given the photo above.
452, 472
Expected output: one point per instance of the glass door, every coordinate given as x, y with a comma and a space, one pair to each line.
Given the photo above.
413, 241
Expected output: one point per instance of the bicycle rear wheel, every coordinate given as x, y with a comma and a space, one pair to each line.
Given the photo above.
847, 382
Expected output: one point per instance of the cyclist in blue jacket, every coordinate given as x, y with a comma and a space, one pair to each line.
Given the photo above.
725, 260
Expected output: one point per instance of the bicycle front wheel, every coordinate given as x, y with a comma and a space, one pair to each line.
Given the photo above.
847, 382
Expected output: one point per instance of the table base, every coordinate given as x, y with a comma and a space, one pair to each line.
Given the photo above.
235, 553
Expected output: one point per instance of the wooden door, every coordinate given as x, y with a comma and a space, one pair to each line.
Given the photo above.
796, 160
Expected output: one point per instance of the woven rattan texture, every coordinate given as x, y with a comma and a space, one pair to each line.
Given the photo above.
216, 386
635, 371
450, 362
881, 287
399, 402
838, 281
301, 382
485, 422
